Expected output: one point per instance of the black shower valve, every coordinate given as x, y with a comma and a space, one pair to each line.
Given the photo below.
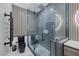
9, 38
6, 43
6, 14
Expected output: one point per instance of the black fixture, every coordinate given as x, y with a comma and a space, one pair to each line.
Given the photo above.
21, 44
33, 39
11, 29
14, 48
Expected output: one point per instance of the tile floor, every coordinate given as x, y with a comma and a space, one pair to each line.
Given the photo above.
26, 53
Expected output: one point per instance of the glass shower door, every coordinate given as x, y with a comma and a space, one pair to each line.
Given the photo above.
49, 23
43, 32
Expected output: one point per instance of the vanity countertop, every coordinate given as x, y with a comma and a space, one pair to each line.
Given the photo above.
72, 44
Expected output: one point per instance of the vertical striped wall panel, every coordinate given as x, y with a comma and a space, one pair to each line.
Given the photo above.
19, 21
23, 21
32, 22
73, 28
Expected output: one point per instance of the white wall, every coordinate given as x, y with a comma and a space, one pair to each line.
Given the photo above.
4, 28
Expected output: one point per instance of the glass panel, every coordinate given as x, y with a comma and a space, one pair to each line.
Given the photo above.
46, 29
61, 29
60, 20
42, 31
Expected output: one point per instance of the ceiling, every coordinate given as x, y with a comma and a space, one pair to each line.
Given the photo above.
35, 7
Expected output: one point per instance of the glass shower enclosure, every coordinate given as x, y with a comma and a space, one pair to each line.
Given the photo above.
46, 28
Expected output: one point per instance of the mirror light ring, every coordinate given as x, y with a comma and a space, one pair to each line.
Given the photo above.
76, 15
59, 17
